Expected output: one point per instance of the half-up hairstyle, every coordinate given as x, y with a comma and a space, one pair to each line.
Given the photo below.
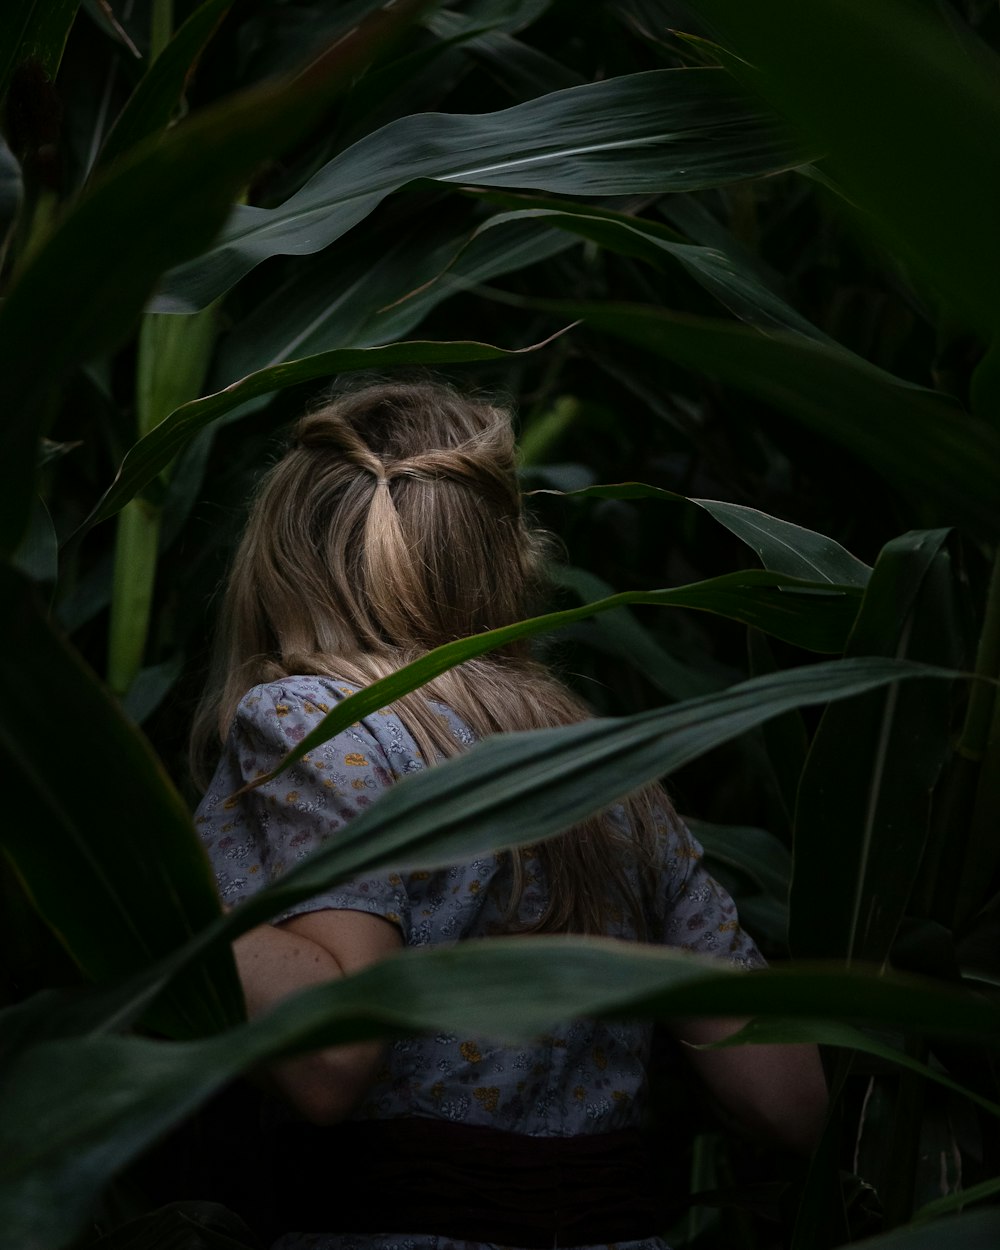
392, 525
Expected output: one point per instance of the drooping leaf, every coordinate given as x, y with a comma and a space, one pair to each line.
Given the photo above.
155, 451
781, 545
164, 203
619, 633
657, 131
890, 91
920, 442
736, 288
864, 797
848, 1037
100, 838
976, 1230
102, 1099
372, 295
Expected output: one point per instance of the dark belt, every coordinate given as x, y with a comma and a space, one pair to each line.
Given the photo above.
420, 1175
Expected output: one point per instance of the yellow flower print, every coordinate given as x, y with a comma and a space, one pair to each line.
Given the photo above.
282, 709
356, 759
357, 784
292, 796
470, 1052
579, 1093
474, 887
600, 1058
489, 1096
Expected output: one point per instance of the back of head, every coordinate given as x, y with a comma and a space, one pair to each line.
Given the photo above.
393, 525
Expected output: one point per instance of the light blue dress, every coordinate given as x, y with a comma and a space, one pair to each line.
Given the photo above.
583, 1077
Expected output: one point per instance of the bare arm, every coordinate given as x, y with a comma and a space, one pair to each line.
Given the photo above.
275, 961
777, 1093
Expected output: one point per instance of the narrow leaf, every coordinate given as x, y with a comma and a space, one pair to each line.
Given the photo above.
154, 452
864, 796
35, 31
151, 105
846, 1036
781, 545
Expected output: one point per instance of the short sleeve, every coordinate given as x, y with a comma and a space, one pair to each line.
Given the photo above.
253, 838
695, 912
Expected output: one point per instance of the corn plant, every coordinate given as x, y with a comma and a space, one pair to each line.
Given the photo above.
740, 263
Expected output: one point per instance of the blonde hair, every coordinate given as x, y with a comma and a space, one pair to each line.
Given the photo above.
392, 525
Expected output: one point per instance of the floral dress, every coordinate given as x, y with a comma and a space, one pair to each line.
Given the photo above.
584, 1077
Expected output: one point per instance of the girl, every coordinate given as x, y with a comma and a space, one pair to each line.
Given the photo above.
393, 525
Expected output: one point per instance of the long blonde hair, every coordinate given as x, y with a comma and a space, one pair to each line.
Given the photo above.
392, 525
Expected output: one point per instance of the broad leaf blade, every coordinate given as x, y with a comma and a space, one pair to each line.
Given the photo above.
102, 841
658, 131
102, 1100
374, 292
163, 203
891, 91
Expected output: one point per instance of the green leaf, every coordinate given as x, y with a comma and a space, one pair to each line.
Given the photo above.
732, 284
100, 838
33, 30
102, 1099
911, 140
657, 131
83, 288
961, 1198
922, 443
152, 104
152, 454
836, 1033
620, 634
754, 852
782, 546
978, 1230
816, 618
565, 774
374, 292
864, 796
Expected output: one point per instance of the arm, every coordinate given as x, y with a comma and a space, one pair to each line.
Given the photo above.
274, 962
252, 840
777, 1093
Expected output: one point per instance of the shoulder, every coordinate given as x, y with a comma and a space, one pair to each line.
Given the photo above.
278, 715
